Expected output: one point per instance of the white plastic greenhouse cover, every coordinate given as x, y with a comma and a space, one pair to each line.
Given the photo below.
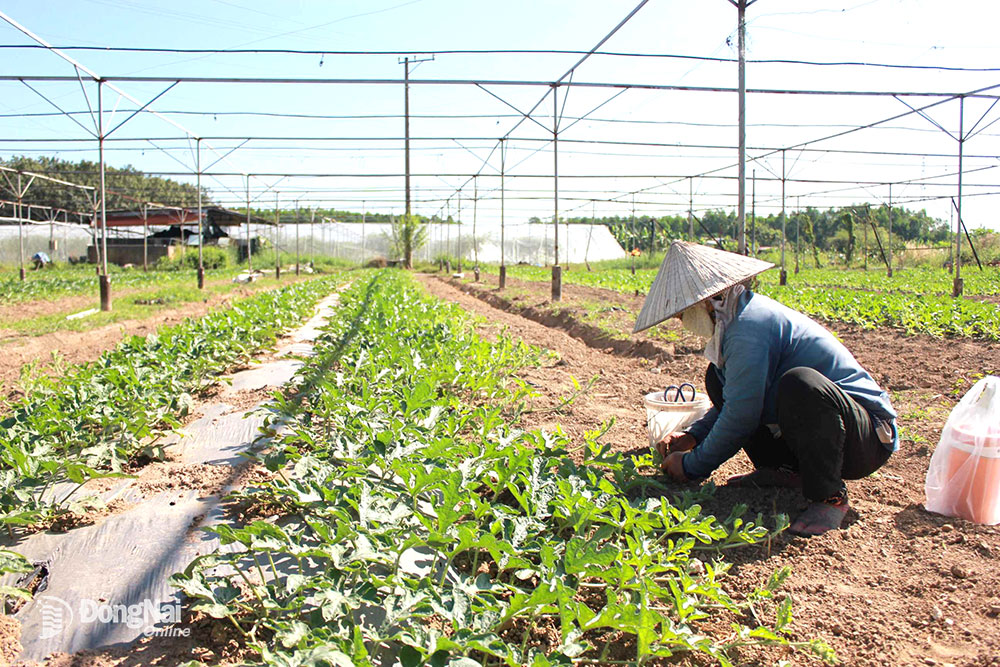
525, 242
528, 243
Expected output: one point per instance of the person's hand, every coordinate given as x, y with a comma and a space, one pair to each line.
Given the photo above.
678, 441
673, 465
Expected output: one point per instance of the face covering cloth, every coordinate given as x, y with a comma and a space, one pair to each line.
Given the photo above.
697, 320
724, 305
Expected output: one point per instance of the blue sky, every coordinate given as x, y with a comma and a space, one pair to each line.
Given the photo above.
697, 130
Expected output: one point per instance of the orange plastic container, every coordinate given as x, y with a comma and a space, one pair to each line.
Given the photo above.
974, 467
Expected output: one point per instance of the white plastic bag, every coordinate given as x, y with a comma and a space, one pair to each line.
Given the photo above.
964, 475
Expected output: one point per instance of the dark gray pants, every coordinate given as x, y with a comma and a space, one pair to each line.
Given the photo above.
826, 435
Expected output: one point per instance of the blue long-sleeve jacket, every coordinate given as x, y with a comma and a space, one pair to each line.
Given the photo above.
762, 343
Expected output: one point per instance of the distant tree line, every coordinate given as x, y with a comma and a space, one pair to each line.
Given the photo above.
124, 185
833, 230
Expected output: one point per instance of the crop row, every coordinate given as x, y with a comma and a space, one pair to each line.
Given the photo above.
921, 281
412, 522
917, 281
91, 421
930, 314
51, 283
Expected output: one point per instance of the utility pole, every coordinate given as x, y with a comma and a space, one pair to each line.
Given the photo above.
406, 121
741, 29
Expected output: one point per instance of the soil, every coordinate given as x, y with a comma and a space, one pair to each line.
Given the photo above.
77, 347
897, 585
209, 642
10, 639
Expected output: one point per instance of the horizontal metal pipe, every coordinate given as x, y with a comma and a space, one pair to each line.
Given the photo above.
499, 82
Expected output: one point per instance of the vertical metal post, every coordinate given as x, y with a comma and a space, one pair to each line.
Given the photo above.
20, 224
798, 232
631, 234
566, 254
556, 269
753, 217
783, 275
868, 222
104, 279
958, 285
690, 209
277, 228
888, 248
249, 240
312, 237
475, 211
406, 129
503, 266
297, 225
951, 246
201, 223
459, 232
145, 236
741, 32
590, 235
364, 214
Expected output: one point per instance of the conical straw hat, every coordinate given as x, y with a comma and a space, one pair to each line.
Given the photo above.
691, 273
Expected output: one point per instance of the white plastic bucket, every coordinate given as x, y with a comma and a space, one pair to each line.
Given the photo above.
671, 410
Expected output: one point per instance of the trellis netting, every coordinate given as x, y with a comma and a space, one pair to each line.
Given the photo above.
523, 243
59, 240
526, 243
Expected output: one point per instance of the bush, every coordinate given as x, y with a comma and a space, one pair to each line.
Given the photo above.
213, 257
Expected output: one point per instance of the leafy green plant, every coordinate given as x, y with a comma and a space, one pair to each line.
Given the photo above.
414, 522
93, 419
915, 301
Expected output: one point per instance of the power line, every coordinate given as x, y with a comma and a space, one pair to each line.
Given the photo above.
444, 52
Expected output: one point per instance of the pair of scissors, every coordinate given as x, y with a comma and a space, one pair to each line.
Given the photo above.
679, 393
